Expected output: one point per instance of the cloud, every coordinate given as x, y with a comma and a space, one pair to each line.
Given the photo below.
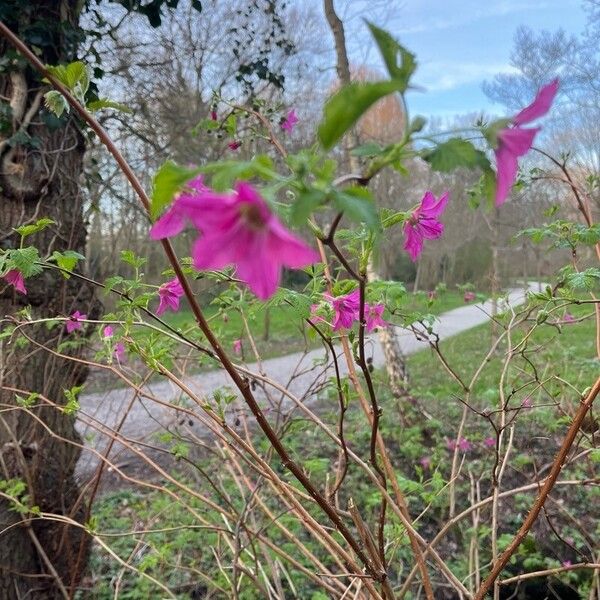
440, 76
459, 13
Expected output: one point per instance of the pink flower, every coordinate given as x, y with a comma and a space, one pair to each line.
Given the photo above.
237, 346
489, 442
567, 563
213, 115
119, 351
74, 321
515, 141
373, 316
469, 296
568, 318
241, 230
173, 221
169, 294
290, 121
346, 309
107, 332
234, 145
423, 224
15, 278
464, 445
527, 402
237, 229
425, 462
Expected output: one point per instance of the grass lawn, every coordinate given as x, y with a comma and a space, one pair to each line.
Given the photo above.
278, 330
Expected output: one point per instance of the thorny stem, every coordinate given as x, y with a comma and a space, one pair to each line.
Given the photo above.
241, 384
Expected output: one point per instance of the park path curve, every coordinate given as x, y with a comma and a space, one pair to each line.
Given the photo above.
146, 418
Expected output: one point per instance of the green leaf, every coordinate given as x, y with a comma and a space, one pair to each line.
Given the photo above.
72, 405
391, 50
169, 179
129, 257
345, 107
455, 153
582, 280
307, 202
55, 102
26, 260
72, 75
39, 225
106, 103
66, 260
357, 203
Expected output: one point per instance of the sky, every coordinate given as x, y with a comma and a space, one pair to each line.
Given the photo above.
461, 43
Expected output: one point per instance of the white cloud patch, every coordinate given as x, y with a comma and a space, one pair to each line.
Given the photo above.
443, 76
457, 13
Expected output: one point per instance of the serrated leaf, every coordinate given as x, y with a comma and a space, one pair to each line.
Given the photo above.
345, 107
56, 102
169, 179
66, 260
39, 225
26, 261
391, 51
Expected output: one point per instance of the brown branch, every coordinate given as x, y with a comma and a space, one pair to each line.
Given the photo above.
543, 495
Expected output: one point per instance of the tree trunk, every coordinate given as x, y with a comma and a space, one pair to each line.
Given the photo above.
38, 445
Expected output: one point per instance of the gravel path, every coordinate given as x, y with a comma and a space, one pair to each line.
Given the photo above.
300, 373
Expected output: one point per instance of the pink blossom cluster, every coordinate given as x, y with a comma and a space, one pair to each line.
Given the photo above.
346, 310
463, 444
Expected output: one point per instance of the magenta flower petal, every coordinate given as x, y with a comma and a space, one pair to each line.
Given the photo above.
424, 224
107, 332
540, 106
15, 278
169, 294
515, 141
261, 276
74, 321
374, 316
237, 346
293, 252
119, 351
430, 207
413, 241
170, 224
290, 121
346, 310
